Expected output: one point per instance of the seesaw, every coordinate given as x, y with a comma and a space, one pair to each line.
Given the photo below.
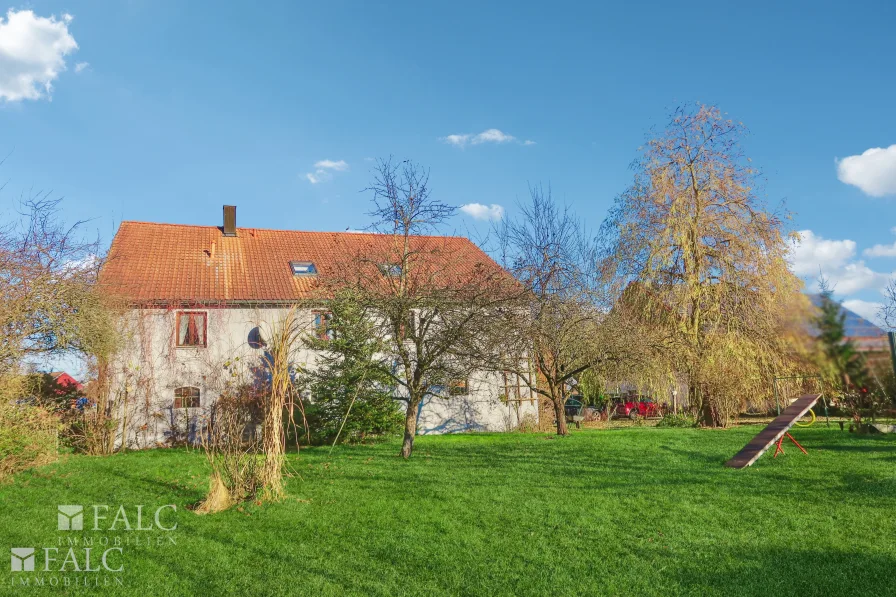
775, 433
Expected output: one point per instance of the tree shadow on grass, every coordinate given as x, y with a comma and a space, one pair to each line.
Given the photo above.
777, 571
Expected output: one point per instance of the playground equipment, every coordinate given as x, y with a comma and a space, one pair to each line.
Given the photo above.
775, 433
574, 411
810, 384
807, 419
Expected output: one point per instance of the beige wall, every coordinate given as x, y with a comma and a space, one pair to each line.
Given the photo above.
150, 367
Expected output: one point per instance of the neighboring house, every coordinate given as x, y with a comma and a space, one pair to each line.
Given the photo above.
200, 298
869, 339
66, 382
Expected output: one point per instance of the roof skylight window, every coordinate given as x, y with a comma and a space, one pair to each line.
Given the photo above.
393, 270
302, 268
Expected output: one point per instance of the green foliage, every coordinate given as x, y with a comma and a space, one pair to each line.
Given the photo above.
49, 393
28, 437
590, 386
845, 365
352, 381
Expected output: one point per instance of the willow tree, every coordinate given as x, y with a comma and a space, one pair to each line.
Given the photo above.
693, 242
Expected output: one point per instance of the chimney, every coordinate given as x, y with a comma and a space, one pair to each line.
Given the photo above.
229, 228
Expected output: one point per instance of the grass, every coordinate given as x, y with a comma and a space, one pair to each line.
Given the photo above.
638, 511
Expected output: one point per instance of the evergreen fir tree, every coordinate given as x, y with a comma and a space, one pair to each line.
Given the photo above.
847, 365
351, 382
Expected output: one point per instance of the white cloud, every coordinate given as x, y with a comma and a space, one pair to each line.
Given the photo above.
874, 172
881, 251
854, 277
487, 136
323, 170
81, 66
483, 212
492, 136
32, 53
458, 140
88, 262
867, 309
813, 253
331, 165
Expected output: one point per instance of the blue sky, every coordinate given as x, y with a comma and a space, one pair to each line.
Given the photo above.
165, 111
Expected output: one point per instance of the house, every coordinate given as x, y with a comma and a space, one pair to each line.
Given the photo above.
200, 297
65, 382
868, 338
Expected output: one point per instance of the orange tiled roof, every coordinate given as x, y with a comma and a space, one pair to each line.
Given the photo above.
174, 263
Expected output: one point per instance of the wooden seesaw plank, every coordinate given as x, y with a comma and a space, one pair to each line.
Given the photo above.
768, 436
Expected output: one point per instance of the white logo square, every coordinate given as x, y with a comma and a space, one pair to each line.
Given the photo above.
22, 559
71, 518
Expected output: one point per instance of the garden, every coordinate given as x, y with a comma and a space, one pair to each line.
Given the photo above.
646, 511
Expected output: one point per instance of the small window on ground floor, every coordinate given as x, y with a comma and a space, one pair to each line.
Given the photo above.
186, 397
458, 387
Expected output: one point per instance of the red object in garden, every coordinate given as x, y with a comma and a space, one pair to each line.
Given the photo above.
644, 408
780, 450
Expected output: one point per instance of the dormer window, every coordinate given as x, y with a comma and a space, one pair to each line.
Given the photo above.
392, 270
302, 268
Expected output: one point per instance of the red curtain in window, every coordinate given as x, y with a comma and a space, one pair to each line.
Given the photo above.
191, 329
192, 332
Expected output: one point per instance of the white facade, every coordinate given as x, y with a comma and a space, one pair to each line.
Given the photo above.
151, 366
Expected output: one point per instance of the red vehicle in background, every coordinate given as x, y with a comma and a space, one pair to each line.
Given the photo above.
635, 407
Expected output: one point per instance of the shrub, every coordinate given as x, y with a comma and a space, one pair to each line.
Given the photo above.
233, 448
28, 437
528, 424
679, 420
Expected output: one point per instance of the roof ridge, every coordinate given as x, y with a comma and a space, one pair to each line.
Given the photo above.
346, 232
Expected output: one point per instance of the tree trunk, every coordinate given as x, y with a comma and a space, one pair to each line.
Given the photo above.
709, 416
410, 428
560, 414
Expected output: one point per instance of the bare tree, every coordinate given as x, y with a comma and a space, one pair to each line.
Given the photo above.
887, 312
693, 243
49, 298
49, 305
430, 296
559, 327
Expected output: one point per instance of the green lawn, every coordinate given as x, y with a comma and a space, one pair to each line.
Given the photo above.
639, 511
